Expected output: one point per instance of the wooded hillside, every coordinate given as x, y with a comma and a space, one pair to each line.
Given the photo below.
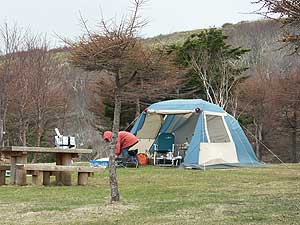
40, 90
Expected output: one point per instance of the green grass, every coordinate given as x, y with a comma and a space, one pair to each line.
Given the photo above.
153, 195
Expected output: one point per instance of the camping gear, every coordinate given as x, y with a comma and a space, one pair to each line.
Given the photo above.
64, 142
7, 173
132, 152
212, 136
142, 158
103, 162
164, 149
130, 160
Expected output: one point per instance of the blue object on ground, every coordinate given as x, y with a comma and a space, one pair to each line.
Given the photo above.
103, 162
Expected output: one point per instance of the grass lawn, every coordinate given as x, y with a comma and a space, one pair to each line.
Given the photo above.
152, 195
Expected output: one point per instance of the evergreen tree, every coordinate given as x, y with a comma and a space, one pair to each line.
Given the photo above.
214, 66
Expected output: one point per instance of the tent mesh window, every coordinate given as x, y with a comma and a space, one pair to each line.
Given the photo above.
216, 129
183, 126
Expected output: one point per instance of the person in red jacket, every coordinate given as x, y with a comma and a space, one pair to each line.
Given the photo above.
125, 141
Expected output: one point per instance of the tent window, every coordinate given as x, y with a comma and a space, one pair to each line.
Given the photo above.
183, 126
216, 129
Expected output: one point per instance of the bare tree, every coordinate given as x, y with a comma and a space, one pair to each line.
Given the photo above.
286, 12
287, 100
10, 42
46, 86
20, 93
255, 102
112, 49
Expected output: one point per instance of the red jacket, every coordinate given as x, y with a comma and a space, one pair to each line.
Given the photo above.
125, 140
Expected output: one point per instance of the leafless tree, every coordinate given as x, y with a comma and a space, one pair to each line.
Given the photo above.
255, 101
286, 12
112, 49
46, 86
20, 106
31, 92
10, 41
287, 97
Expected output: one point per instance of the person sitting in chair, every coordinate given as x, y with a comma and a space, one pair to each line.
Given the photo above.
126, 140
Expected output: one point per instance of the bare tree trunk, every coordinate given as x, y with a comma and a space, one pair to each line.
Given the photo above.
258, 139
24, 139
2, 124
1, 133
234, 106
37, 143
1, 137
294, 139
115, 196
294, 146
138, 107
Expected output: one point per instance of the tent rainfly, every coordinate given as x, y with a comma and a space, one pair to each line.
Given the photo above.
214, 138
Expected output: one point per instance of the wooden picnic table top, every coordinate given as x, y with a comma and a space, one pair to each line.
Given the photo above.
44, 150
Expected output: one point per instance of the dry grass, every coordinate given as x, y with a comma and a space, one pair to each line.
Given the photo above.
163, 196
21, 214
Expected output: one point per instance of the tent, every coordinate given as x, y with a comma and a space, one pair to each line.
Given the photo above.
212, 137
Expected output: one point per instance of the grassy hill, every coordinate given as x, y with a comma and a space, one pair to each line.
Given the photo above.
153, 195
230, 29
170, 38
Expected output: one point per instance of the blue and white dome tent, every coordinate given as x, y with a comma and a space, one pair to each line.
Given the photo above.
215, 138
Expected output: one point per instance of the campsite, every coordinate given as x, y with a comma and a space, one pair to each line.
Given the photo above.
150, 112
214, 138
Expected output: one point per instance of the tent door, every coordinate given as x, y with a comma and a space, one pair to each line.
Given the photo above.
220, 147
143, 145
148, 132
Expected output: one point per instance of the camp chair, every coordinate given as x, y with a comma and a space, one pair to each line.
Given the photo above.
127, 159
164, 150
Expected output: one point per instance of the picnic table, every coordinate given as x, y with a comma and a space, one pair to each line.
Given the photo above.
18, 155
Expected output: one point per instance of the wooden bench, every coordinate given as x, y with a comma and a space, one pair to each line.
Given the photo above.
41, 173
3, 169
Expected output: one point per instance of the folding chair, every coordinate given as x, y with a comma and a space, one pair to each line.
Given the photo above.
164, 149
127, 159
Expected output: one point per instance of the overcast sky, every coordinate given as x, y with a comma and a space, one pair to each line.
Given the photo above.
165, 16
